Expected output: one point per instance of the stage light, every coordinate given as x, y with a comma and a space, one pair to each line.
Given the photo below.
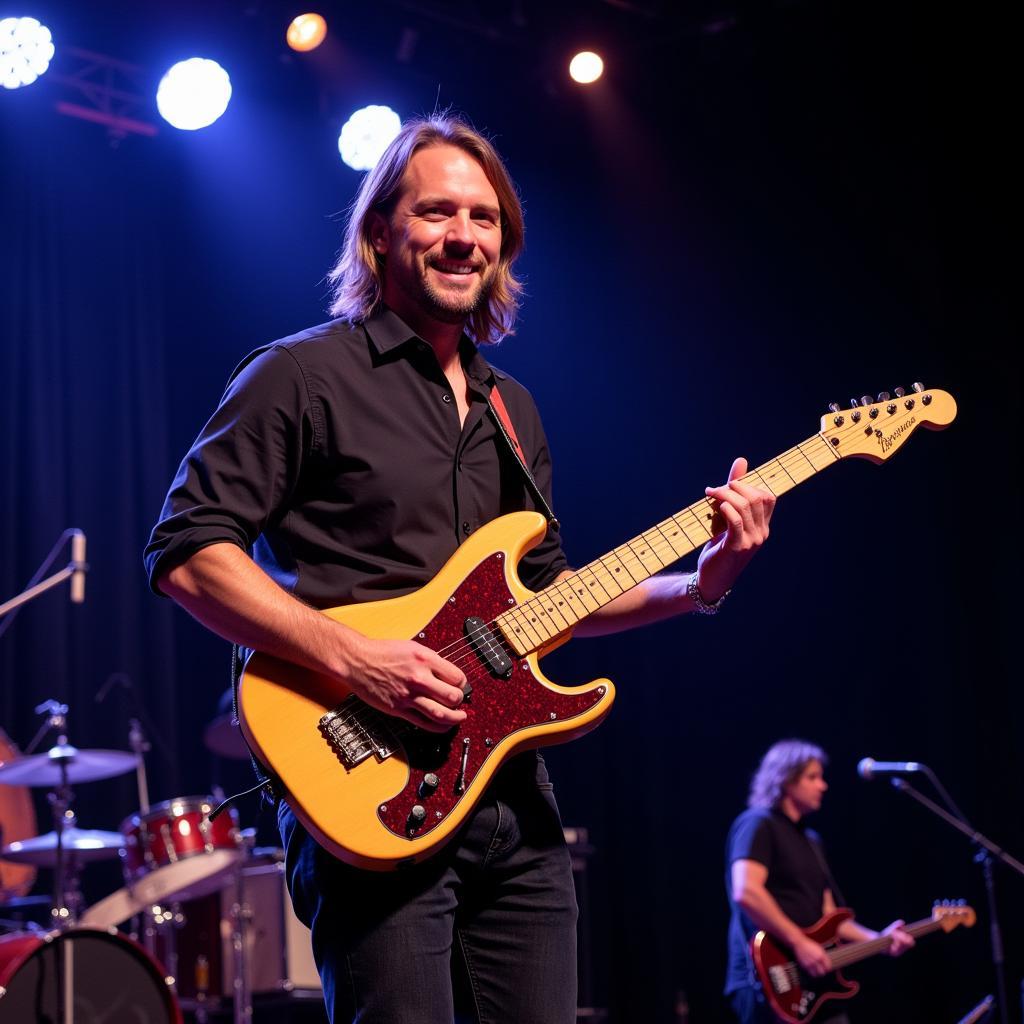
193, 93
306, 32
365, 136
586, 67
26, 48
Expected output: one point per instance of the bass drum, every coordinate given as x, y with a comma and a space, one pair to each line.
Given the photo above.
112, 980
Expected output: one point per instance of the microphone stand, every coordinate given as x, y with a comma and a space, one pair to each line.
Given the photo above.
986, 853
51, 581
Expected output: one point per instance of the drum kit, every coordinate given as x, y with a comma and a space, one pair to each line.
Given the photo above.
201, 924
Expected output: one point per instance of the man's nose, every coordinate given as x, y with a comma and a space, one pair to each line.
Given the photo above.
460, 231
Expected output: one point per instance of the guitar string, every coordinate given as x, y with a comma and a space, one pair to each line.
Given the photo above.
460, 652
462, 649
795, 456
629, 558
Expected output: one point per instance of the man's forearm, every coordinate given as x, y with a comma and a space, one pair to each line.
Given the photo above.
762, 908
656, 599
228, 593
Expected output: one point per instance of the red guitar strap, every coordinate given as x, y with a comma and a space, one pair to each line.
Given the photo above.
504, 424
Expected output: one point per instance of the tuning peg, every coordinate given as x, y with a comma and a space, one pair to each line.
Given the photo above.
918, 387
899, 392
854, 402
866, 399
883, 396
833, 407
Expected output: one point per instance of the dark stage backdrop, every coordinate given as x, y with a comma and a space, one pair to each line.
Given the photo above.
808, 208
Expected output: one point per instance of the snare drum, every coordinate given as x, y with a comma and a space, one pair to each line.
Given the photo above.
174, 851
112, 980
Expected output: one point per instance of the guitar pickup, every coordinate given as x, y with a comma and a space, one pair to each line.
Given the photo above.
485, 642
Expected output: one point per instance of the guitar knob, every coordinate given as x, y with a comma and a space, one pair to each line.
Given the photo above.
899, 392
918, 387
833, 407
428, 785
417, 816
883, 396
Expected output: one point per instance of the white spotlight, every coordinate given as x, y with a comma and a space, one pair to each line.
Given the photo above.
365, 136
26, 49
193, 93
586, 67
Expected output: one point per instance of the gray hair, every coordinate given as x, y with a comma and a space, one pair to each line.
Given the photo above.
784, 763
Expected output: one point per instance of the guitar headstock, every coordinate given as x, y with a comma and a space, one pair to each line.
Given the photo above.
875, 430
952, 913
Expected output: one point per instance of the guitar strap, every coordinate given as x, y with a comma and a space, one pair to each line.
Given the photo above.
499, 413
837, 894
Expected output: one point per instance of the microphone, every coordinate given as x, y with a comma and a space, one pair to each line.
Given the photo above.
79, 566
868, 768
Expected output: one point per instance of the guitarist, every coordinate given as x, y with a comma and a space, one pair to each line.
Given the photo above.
345, 464
778, 880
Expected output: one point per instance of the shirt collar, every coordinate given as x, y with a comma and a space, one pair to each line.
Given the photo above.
387, 330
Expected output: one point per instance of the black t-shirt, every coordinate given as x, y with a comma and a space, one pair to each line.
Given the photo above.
797, 878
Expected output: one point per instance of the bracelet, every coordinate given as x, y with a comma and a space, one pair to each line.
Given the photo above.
699, 604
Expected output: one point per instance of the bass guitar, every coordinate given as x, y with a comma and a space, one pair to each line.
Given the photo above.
795, 997
378, 792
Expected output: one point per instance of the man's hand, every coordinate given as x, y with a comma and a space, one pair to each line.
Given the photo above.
812, 957
746, 512
901, 940
404, 678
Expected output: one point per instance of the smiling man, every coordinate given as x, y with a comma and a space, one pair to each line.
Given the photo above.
346, 464
778, 879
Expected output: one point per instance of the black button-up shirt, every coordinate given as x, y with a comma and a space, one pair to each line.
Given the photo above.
337, 458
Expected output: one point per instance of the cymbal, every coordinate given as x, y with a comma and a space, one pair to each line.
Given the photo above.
223, 737
80, 844
81, 765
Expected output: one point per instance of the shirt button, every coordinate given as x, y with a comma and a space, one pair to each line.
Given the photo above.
446, 398
466, 528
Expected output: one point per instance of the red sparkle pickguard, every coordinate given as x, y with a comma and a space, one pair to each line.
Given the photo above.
497, 707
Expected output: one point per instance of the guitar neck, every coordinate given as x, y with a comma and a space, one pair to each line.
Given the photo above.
559, 607
854, 952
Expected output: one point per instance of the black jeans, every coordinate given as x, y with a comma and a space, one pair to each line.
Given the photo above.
483, 931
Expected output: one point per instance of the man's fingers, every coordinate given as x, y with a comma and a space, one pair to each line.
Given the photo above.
445, 670
738, 469
436, 717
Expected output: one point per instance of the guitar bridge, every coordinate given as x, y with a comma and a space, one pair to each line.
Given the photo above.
780, 979
355, 732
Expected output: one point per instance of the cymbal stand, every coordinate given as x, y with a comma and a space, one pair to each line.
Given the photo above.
138, 742
241, 918
66, 897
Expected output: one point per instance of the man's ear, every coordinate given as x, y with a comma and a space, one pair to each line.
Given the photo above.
380, 233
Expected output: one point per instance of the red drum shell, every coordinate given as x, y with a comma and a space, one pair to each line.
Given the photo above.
28, 979
161, 847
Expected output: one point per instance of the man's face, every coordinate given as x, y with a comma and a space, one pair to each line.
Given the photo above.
443, 240
806, 792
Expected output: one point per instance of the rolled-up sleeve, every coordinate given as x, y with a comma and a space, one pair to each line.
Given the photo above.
245, 463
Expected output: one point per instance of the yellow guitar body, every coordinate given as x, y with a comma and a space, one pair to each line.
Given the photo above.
282, 705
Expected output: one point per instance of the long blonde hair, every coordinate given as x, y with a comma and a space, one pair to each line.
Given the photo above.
357, 279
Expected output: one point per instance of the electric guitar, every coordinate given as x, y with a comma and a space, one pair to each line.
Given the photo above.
795, 997
378, 792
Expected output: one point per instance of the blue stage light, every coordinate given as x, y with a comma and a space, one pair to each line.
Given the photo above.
365, 136
193, 93
26, 48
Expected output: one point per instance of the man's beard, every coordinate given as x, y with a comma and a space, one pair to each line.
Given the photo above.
455, 307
